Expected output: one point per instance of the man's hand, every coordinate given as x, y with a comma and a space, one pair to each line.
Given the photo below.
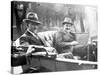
50, 49
74, 43
29, 51
71, 43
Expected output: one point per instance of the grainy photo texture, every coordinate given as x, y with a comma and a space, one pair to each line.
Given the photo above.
53, 37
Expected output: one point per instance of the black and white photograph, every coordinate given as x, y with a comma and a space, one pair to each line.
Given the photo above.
53, 37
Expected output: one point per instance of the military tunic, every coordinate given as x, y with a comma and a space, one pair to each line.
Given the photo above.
60, 40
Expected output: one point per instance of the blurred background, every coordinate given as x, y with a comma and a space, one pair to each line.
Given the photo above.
85, 18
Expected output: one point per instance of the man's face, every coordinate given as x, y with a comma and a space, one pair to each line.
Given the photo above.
67, 27
33, 27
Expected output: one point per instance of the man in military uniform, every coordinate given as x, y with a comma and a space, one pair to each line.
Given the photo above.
64, 39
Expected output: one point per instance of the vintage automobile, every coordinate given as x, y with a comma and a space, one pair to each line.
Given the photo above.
49, 62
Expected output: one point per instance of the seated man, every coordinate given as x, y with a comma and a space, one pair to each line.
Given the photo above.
30, 38
64, 39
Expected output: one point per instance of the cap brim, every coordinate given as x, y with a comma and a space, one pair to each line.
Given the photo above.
67, 23
33, 21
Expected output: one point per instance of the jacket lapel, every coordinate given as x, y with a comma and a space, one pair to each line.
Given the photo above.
39, 41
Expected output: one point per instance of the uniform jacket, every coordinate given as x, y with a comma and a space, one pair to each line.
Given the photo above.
60, 40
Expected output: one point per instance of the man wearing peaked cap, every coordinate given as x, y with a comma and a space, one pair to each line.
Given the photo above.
67, 24
64, 39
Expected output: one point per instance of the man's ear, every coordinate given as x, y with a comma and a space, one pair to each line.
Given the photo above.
27, 25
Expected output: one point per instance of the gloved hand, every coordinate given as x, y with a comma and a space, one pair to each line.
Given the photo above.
50, 49
74, 43
30, 50
65, 55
